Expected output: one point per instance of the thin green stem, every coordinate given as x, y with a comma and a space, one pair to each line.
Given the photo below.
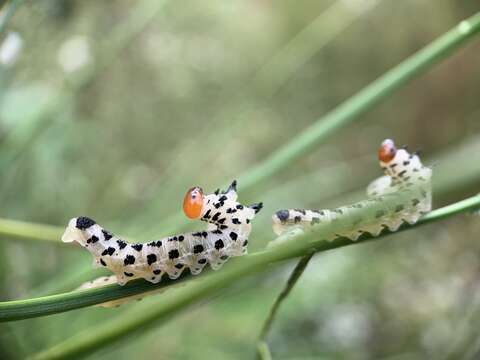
292, 280
27, 230
202, 287
358, 104
23, 309
262, 346
296, 52
263, 351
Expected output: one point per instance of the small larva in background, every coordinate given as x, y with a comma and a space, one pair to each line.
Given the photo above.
405, 175
226, 236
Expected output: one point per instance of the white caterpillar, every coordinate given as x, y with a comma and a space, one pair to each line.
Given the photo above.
227, 236
405, 176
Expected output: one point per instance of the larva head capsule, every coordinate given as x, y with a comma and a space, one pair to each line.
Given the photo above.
193, 203
387, 151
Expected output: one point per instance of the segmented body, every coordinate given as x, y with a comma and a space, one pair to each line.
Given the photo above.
227, 236
403, 195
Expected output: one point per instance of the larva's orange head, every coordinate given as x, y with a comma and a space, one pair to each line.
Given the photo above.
193, 203
387, 151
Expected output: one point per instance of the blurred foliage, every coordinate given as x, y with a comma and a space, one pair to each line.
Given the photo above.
102, 116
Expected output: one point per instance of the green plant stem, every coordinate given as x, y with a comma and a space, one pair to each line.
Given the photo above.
23, 309
297, 272
263, 351
304, 45
26, 230
292, 280
172, 302
364, 100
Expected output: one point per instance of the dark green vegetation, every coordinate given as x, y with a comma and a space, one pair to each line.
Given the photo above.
175, 96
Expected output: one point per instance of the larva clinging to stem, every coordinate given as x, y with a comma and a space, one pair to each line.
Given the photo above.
405, 176
226, 236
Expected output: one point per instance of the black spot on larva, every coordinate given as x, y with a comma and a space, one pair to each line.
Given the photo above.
230, 211
406, 162
155, 243
151, 258
223, 227
110, 251
222, 198
129, 259
224, 257
173, 254
301, 211
401, 173
202, 261
207, 214
315, 220
102, 262
181, 238
239, 207
197, 249
236, 221
204, 234
137, 247
216, 216
121, 244
233, 236
399, 208
106, 235
283, 215
221, 221
218, 205
393, 165
247, 221
245, 243
415, 202
379, 213
157, 271
297, 219
219, 244
179, 266
128, 274
84, 222
219, 232
94, 239
197, 234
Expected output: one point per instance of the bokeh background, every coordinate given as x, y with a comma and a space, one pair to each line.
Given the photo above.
114, 109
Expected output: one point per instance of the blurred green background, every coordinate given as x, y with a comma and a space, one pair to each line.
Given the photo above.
114, 109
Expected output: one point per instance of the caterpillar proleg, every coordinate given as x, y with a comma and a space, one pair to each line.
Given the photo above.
227, 236
405, 189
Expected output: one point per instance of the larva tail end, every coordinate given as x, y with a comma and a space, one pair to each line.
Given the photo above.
257, 207
232, 187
